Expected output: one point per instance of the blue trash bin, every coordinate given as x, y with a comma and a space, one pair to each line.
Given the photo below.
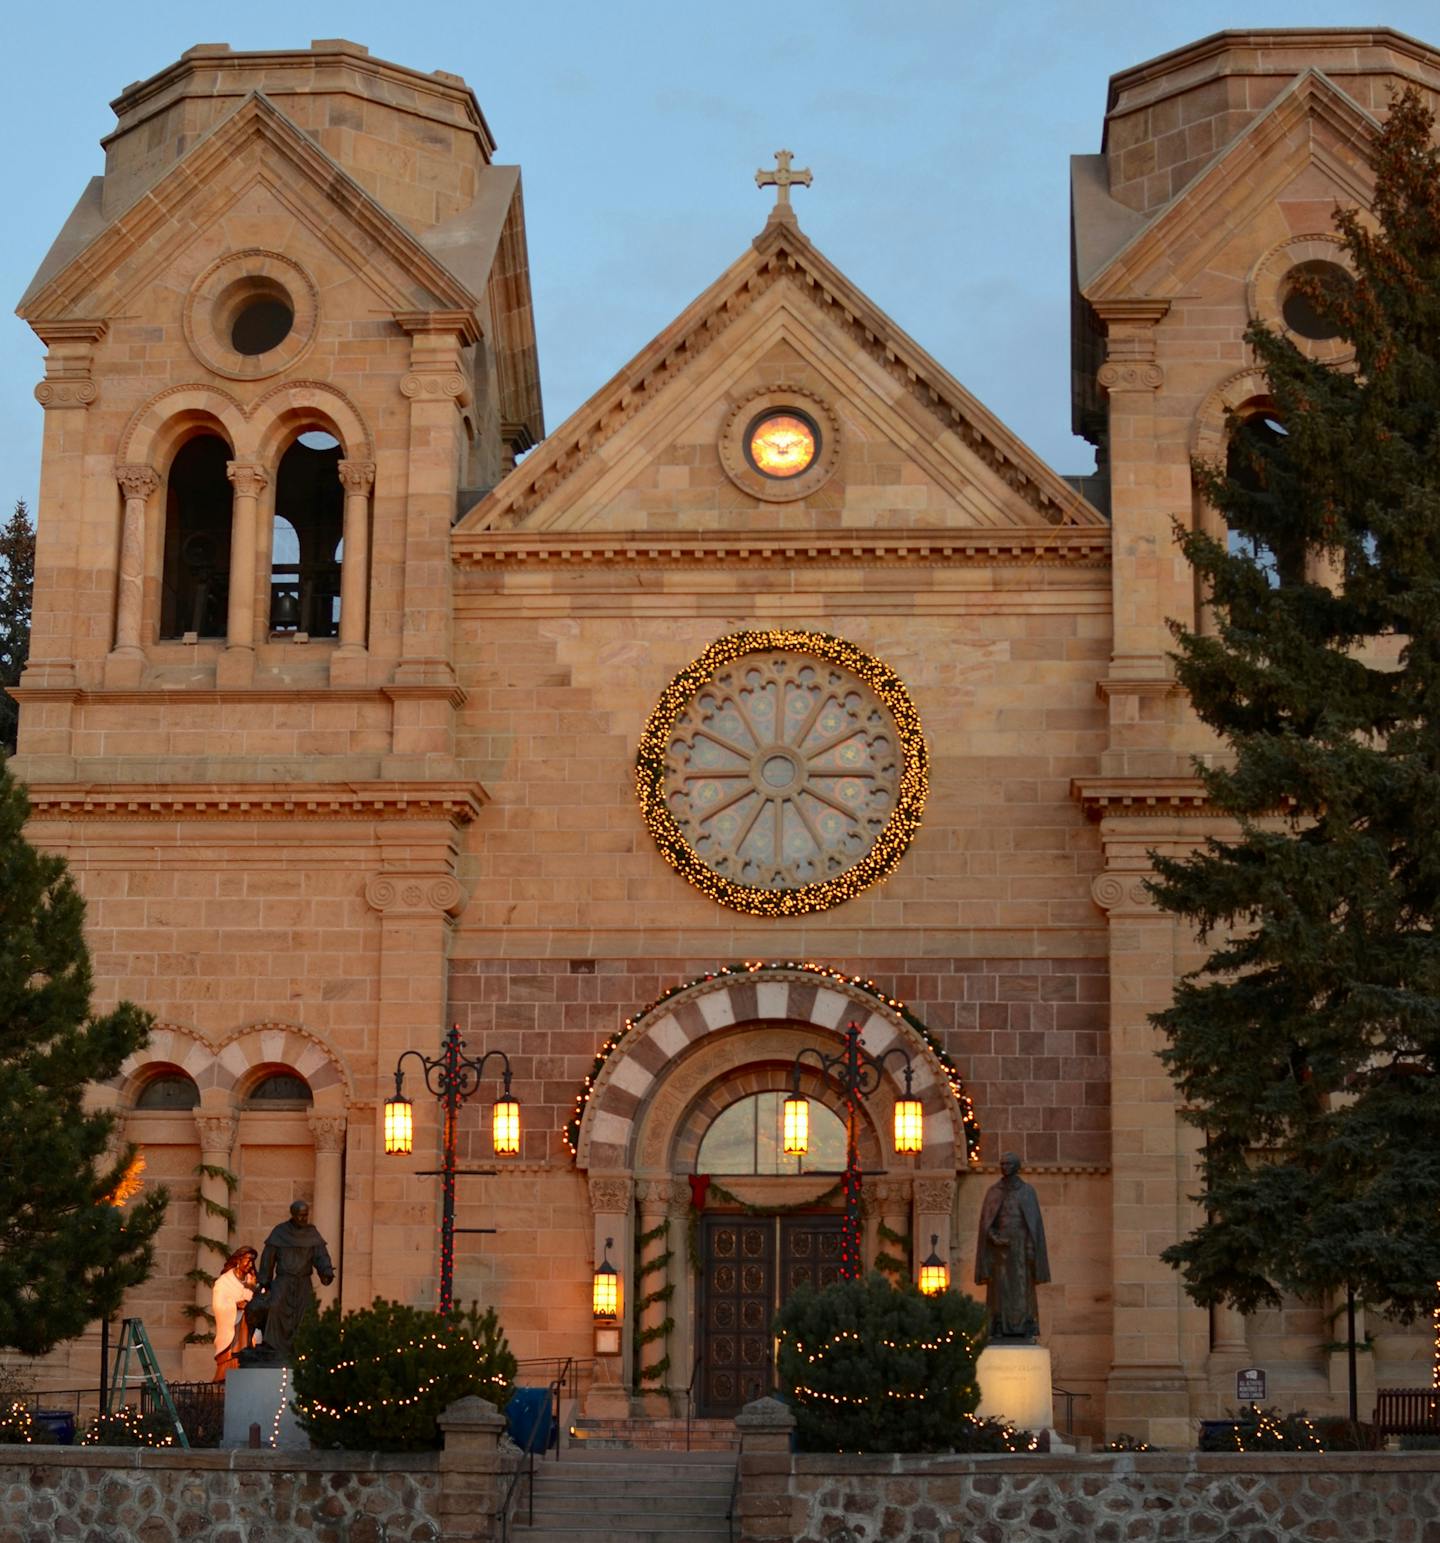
530, 1419
59, 1424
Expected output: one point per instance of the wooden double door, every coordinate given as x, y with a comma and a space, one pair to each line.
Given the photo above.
749, 1266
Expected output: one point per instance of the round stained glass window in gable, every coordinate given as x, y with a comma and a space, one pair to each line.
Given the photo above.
782, 444
788, 778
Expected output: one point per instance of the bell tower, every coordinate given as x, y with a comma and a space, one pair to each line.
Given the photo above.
289, 337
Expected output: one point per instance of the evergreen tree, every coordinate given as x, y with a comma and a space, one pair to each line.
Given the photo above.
17, 584
1307, 1045
68, 1247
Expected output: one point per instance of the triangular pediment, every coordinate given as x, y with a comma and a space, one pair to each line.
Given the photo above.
1312, 126
782, 315
255, 146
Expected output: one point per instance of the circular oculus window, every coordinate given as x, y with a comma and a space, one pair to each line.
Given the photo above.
251, 314
783, 772
780, 444
1276, 294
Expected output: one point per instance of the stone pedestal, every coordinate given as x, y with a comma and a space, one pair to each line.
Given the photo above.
253, 1396
1015, 1385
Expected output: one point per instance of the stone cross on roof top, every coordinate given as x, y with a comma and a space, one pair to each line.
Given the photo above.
780, 179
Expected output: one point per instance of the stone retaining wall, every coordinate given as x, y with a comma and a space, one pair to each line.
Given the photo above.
1357, 1497
166, 1495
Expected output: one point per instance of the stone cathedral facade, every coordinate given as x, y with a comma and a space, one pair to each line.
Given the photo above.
781, 687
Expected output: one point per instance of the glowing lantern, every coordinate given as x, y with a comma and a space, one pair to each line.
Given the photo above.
934, 1272
909, 1125
507, 1126
606, 1297
797, 1125
399, 1126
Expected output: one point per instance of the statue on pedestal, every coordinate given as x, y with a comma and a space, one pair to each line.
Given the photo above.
1010, 1255
292, 1252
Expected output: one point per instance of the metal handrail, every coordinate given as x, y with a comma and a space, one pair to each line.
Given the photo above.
734, 1497
690, 1398
527, 1467
1069, 1398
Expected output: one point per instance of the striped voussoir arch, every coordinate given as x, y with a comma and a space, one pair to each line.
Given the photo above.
225, 1072
637, 1066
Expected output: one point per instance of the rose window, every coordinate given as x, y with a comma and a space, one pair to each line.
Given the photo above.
783, 772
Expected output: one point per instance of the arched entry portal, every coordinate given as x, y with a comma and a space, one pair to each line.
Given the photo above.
658, 1087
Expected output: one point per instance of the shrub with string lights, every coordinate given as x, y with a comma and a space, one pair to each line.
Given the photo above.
379, 1379
871, 1367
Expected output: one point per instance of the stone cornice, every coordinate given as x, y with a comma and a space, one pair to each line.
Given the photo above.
1087, 546
190, 696
458, 802
1106, 797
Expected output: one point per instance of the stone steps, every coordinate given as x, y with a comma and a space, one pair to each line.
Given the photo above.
615, 1495
667, 1435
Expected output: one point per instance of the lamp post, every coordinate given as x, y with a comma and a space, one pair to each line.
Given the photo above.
858, 1074
454, 1078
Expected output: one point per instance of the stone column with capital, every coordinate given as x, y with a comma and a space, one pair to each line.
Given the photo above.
216, 1133
126, 660
347, 666
237, 664
655, 1198
612, 1200
329, 1133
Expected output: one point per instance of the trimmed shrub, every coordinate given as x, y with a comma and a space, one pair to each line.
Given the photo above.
378, 1379
127, 1427
1253, 1429
872, 1367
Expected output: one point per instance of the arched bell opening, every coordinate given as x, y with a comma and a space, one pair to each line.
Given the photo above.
306, 534
195, 572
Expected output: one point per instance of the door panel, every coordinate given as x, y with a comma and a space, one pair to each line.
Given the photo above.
741, 1291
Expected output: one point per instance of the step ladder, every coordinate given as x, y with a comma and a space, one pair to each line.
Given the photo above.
134, 1341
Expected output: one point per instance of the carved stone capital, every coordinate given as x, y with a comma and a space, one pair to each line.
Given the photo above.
248, 478
934, 1197
66, 392
136, 479
1123, 892
216, 1131
356, 476
1131, 376
612, 1196
328, 1131
889, 1194
433, 386
421, 894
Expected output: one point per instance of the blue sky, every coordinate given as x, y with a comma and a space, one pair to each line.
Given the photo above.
939, 135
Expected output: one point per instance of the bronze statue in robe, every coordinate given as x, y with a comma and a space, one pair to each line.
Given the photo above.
292, 1252
1010, 1255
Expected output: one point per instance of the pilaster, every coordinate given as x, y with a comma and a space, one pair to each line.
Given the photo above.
1161, 1338
67, 583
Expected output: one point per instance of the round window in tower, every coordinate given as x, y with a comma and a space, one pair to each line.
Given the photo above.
782, 444
251, 314
1302, 314
263, 322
